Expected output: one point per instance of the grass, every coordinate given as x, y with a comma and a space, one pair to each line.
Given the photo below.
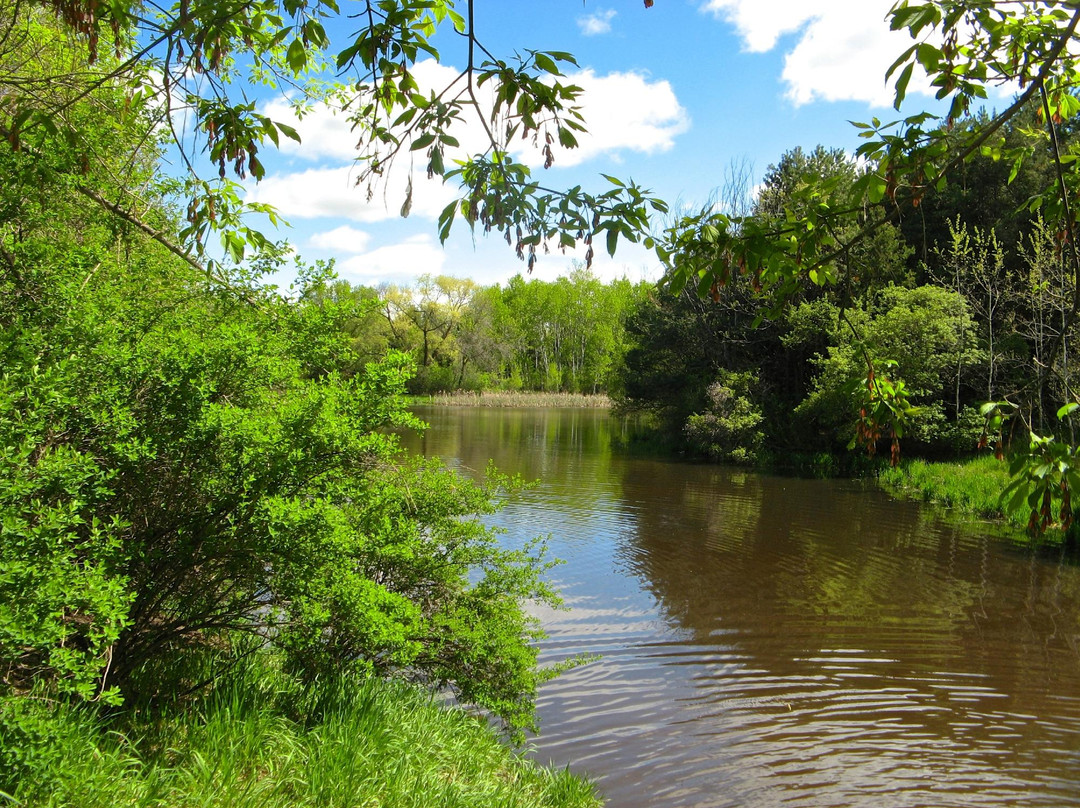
258, 741
517, 398
970, 486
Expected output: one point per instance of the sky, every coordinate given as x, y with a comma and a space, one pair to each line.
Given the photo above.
676, 95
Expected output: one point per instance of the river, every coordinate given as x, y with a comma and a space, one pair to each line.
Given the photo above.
769, 641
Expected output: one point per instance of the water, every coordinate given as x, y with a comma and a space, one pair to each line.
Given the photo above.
781, 642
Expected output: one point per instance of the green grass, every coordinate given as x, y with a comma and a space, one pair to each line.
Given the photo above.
258, 741
970, 486
517, 398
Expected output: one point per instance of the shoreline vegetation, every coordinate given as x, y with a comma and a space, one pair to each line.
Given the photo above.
515, 398
969, 486
972, 486
257, 740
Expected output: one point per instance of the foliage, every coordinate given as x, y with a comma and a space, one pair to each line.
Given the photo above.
1044, 472
810, 372
728, 430
183, 463
193, 60
963, 46
366, 325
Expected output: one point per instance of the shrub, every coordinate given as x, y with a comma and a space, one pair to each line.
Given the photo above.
729, 429
180, 465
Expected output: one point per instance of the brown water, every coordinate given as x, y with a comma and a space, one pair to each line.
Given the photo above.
780, 642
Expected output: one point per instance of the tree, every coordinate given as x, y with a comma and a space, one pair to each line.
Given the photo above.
193, 59
185, 463
426, 319
973, 265
366, 326
964, 47
481, 349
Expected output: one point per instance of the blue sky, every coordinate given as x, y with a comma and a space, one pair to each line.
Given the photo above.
675, 94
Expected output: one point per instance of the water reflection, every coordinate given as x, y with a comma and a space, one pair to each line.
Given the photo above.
775, 641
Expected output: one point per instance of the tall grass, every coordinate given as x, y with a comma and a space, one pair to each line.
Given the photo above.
971, 486
259, 741
517, 398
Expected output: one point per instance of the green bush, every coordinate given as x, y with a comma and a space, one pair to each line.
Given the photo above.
179, 463
926, 332
728, 430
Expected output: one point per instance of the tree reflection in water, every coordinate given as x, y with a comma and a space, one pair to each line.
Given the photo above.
772, 640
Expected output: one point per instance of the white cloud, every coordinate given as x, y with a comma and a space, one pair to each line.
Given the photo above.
624, 111
843, 49
415, 256
342, 239
324, 132
761, 22
598, 23
332, 192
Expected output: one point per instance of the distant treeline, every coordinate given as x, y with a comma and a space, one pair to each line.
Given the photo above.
961, 300
565, 335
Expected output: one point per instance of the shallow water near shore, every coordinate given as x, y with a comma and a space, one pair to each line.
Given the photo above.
773, 641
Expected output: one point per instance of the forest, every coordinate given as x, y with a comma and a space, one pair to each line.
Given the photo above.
963, 300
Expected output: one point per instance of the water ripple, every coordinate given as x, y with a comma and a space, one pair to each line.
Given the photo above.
774, 642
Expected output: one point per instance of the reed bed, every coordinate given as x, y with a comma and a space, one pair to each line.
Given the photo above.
518, 398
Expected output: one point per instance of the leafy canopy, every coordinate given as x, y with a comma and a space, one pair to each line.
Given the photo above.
185, 66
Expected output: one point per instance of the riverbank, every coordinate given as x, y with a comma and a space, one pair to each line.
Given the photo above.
970, 486
515, 398
259, 741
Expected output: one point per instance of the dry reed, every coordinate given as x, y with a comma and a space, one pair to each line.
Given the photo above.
518, 398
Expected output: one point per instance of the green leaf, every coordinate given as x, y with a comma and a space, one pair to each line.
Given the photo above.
423, 141
902, 84
899, 61
446, 220
875, 188
296, 57
545, 63
929, 57
288, 131
704, 284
